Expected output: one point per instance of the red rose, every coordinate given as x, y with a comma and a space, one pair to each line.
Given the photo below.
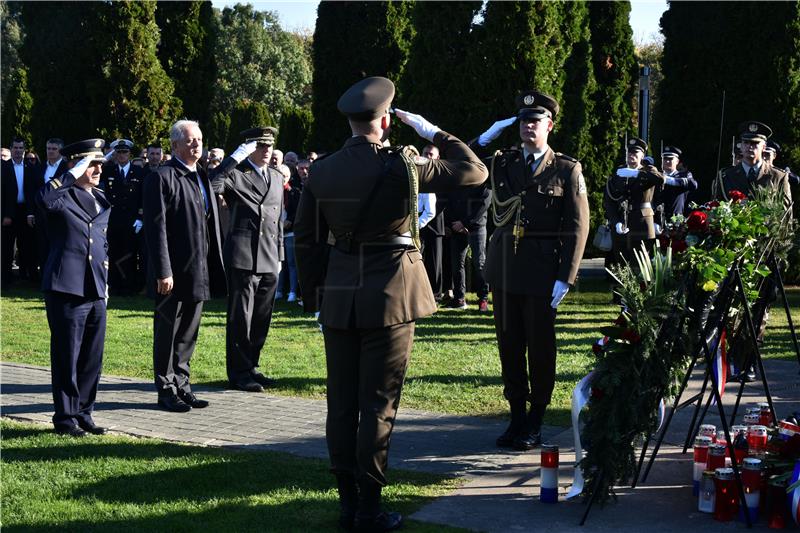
679, 245
597, 393
631, 336
713, 204
697, 221
736, 196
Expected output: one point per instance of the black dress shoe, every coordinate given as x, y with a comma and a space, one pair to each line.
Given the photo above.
174, 404
93, 429
527, 441
506, 440
263, 380
191, 400
247, 385
382, 522
70, 431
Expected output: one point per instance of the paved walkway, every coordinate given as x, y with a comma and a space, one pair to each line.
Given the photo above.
501, 488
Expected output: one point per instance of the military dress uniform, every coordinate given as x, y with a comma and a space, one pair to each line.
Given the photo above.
670, 200
124, 191
362, 200
541, 214
252, 251
75, 284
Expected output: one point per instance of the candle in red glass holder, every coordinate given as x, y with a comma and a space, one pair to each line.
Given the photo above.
757, 438
751, 419
701, 444
708, 430
777, 505
548, 489
751, 479
716, 457
764, 414
740, 447
726, 504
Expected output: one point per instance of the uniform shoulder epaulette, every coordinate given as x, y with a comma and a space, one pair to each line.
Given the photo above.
55, 183
566, 157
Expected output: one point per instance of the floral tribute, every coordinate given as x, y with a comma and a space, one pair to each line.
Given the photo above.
646, 351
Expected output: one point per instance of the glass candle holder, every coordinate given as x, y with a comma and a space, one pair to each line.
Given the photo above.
726, 500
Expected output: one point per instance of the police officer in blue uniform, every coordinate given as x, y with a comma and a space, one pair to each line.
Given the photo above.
670, 199
75, 285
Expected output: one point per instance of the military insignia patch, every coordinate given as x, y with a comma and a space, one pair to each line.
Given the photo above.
419, 160
581, 185
753, 128
98, 143
528, 100
632, 142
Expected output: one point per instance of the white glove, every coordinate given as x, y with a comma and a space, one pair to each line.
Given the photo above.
560, 289
627, 172
675, 182
137, 226
620, 230
80, 167
658, 229
244, 149
109, 155
495, 130
424, 129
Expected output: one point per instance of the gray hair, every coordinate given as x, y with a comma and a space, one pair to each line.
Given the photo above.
177, 130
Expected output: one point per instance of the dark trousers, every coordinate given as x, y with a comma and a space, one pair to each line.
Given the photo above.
123, 258
77, 336
366, 368
526, 323
251, 298
19, 238
476, 240
175, 327
432, 257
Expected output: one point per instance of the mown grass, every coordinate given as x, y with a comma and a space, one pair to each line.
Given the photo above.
116, 483
454, 365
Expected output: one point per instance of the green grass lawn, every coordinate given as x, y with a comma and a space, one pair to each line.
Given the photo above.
115, 483
454, 365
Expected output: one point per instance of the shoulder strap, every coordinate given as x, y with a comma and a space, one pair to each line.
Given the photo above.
413, 196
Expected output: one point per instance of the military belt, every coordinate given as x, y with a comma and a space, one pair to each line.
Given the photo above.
391, 242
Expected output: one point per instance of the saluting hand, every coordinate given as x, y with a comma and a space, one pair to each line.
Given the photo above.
627, 172
560, 289
424, 129
165, 285
109, 155
244, 150
495, 130
81, 166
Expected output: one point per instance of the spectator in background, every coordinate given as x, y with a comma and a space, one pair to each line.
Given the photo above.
432, 232
15, 177
154, 155
291, 201
32, 159
312, 156
55, 165
277, 159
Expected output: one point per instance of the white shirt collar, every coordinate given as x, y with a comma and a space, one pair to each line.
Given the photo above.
536, 154
261, 170
192, 168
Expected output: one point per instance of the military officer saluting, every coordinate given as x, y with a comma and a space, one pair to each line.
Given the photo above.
628, 203
374, 281
670, 199
122, 183
541, 213
752, 171
252, 252
75, 284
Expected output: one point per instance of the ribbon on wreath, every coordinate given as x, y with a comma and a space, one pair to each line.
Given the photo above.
794, 495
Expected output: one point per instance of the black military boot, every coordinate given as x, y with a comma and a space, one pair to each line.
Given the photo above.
506, 440
531, 436
370, 518
348, 499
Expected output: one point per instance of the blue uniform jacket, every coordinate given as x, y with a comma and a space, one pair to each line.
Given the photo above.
77, 262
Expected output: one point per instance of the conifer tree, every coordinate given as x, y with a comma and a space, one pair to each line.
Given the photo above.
246, 114
295, 128
17, 110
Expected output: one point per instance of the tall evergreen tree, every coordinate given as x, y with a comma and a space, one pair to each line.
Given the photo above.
11, 37
295, 129
435, 79
17, 110
186, 51
246, 114
353, 40
133, 96
615, 69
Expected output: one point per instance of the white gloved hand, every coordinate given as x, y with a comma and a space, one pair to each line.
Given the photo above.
676, 182
627, 172
620, 230
495, 130
658, 229
244, 149
560, 289
109, 156
80, 167
137, 226
424, 129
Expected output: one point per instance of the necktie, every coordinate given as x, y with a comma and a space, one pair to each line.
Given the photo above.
202, 191
751, 174
122, 174
86, 199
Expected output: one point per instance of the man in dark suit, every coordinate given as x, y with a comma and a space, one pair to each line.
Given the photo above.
752, 171
53, 166
15, 176
670, 200
122, 183
75, 283
541, 215
375, 285
432, 234
253, 251
181, 226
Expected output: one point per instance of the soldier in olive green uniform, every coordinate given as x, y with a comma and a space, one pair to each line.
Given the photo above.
752, 171
628, 203
541, 213
356, 237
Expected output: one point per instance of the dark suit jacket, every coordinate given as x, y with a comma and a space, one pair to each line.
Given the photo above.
555, 215
255, 236
672, 198
182, 241
33, 187
125, 195
469, 206
735, 178
77, 262
8, 185
371, 286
